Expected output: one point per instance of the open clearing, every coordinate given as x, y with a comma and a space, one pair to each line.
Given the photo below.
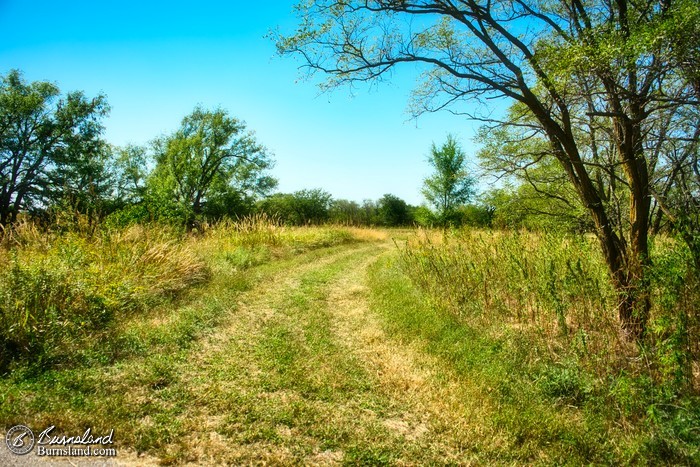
317, 354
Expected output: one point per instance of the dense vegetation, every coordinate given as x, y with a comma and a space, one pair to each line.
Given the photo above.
603, 100
71, 289
545, 299
567, 295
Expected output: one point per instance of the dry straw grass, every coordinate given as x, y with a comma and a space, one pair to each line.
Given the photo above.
554, 291
58, 288
61, 285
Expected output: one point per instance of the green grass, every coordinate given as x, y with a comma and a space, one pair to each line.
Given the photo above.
321, 346
144, 380
546, 346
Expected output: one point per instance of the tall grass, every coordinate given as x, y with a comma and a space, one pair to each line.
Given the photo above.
75, 281
550, 296
57, 289
553, 286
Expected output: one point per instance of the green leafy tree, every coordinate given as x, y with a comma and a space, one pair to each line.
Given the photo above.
209, 159
425, 217
50, 146
537, 194
343, 211
476, 215
618, 64
450, 186
392, 211
302, 207
82, 182
369, 212
131, 171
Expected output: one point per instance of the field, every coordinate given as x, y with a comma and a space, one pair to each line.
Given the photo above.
249, 342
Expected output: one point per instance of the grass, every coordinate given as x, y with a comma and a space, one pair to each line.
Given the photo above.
328, 345
60, 290
533, 315
131, 376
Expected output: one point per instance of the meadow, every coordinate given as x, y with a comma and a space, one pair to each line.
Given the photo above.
249, 342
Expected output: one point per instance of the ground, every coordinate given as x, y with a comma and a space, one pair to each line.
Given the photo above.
293, 366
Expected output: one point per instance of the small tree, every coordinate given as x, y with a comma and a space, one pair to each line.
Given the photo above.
343, 211
302, 207
450, 186
393, 211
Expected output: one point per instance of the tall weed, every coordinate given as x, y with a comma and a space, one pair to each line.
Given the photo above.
57, 289
551, 292
554, 283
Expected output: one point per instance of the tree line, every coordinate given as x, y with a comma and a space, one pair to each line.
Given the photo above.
54, 160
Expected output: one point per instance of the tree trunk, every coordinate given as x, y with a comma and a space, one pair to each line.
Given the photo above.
626, 263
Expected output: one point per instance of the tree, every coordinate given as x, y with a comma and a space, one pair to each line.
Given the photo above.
343, 211
393, 211
534, 192
368, 212
131, 171
612, 63
302, 207
208, 158
82, 182
449, 187
50, 145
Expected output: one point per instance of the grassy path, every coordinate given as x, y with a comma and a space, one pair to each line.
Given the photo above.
285, 363
312, 355
302, 373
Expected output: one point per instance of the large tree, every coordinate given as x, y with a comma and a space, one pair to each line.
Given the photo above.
613, 62
50, 145
210, 158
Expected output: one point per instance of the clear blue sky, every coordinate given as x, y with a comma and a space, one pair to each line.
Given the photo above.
156, 60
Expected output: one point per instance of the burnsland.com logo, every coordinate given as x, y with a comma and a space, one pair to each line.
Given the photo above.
20, 440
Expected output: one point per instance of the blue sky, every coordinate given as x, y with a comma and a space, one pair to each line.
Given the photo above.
156, 60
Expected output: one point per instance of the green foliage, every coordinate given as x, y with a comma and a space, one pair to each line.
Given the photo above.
425, 217
302, 207
346, 212
209, 166
50, 148
59, 290
524, 207
392, 211
450, 186
537, 194
675, 327
131, 171
475, 215
566, 384
544, 303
